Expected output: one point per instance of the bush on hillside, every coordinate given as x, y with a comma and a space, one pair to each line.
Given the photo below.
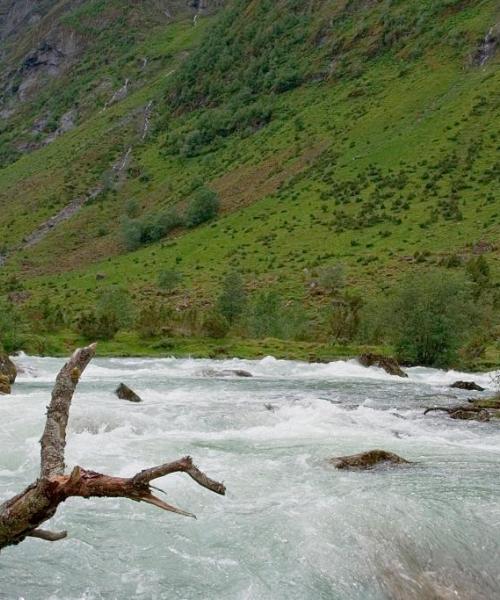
12, 327
232, 299
113, 311
149, 229
203, 206
168, 280
429, 316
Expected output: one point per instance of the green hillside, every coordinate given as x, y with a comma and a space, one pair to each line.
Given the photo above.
354, 132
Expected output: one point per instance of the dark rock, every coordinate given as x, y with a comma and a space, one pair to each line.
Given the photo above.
464, 413
470, 415
7, 368
125, 393
4, 384
467, 385
226, 373
270, 407
367, 460
389, 364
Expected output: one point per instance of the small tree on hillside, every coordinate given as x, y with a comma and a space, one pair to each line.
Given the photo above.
168, 280
232, 300
203, 206
430, 316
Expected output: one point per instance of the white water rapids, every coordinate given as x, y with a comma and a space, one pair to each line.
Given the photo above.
291, 527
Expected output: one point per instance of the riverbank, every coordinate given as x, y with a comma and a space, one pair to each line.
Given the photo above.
127, 344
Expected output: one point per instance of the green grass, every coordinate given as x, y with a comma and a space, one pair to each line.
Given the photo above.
388, 164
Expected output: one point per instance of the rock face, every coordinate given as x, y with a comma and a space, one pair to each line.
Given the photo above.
4, 384
368, 460
125, 393
7, 368
389, 364
467, 385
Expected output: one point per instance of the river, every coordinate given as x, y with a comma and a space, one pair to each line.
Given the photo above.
291, 527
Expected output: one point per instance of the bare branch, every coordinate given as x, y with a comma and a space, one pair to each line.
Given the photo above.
22, 515
184, 465
53, 439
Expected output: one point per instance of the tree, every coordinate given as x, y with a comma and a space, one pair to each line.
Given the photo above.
232, 300
11, 326
22, 515
113, 311
203, 206
430, 316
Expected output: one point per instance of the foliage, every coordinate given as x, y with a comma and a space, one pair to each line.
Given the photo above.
429, 316
168, 280
149, 229
268, 317
12, 326
345, 316
232, 299
215, 325
203, 206
113, 311
333, 279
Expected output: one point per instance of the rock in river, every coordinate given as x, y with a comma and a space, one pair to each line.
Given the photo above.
368, 460
467, 385
125, 393
389, 364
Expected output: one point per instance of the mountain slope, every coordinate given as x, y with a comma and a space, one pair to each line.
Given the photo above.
359, 131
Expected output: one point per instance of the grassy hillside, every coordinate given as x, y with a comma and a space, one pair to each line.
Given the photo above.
356, 131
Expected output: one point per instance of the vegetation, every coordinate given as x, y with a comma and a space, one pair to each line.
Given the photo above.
357, 154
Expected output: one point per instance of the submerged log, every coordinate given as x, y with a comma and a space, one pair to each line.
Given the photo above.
22, 515
367, 460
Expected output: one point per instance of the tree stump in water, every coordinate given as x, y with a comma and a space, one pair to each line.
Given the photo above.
22, 515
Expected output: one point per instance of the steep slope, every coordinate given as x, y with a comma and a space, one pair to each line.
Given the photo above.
359, 131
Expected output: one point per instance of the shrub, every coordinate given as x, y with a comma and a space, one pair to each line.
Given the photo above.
267, 317
232, 300
430, 315
113, 311
215, 325
203, 206
344, 318
12, 327
333, 279
149, 229
169, 279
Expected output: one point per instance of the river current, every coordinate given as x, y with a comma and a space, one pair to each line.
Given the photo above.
291, 527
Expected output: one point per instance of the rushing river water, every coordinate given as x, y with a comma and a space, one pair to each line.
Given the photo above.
291, 527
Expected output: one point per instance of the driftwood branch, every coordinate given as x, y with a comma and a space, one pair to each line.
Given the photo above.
22, 515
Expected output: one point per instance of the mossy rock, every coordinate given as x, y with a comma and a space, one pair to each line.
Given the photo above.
368, 460
4, 384
7, 368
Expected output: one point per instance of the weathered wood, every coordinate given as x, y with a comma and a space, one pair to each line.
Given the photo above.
22, 515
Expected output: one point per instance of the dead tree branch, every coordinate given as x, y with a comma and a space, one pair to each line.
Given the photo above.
22, 515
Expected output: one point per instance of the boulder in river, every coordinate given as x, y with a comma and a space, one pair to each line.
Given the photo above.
389, 364
467, 385
7, 368
4, 384
464, 413
368, 460
226, 373
125, 393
